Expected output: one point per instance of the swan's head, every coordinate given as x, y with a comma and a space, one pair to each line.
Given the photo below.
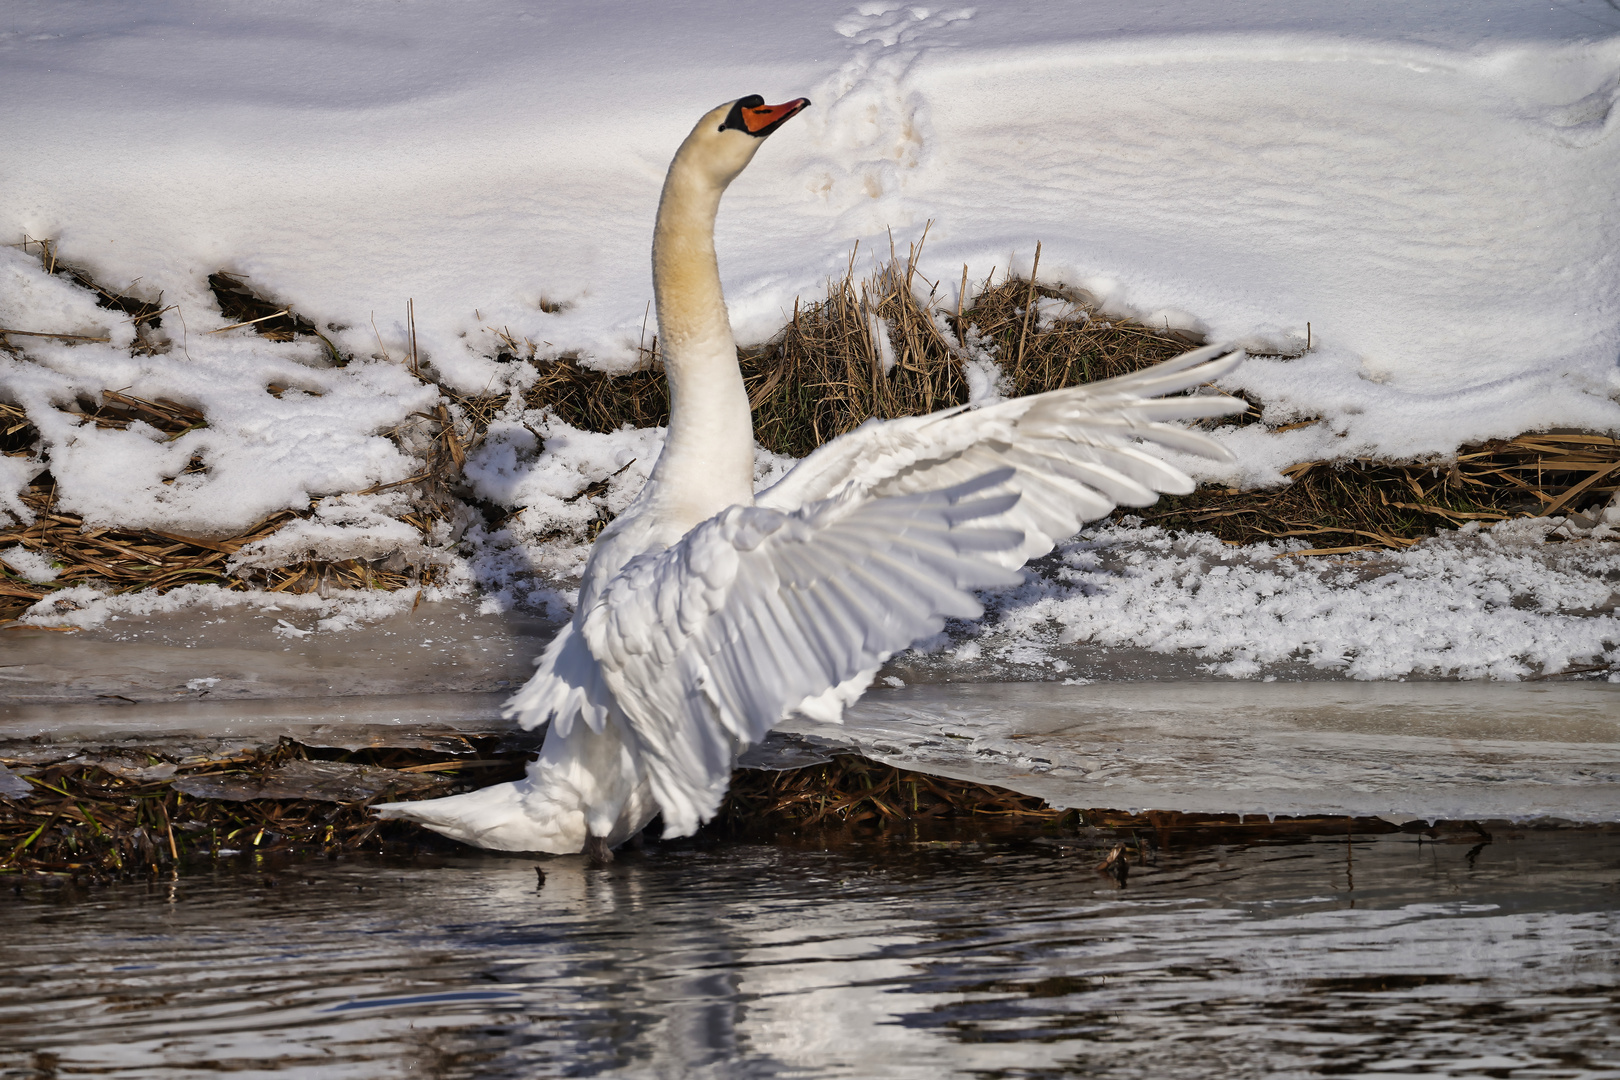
724, 141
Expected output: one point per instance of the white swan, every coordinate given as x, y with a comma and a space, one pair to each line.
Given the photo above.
708, 614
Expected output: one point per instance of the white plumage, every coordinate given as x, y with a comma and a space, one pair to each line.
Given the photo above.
707, 614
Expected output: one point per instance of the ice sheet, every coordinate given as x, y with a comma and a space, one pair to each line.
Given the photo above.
278, 651
1397, 750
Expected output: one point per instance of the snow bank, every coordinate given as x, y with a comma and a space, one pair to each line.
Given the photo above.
1430, 186
346, 527
558, 498
259, 453
1426, 191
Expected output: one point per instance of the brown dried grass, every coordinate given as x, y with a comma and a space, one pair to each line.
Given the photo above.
89, 823
851, 790
244, 307
17, 432
1069, 351
85, 819
853, 799
824, 374
147, 315
134, 559
1345, 506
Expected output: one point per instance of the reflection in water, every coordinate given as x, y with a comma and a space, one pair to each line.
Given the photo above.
905, 961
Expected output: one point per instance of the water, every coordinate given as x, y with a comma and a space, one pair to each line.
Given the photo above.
1386, 956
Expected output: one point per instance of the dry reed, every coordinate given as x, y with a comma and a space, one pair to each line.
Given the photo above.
131, 559
244, 307
1342, 506
852, 790
100, 816
880, 347
99, 822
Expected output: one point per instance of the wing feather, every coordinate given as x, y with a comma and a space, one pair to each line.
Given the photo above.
1076, 452
760, 612
567, 685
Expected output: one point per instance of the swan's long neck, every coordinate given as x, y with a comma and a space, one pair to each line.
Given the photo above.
708, 458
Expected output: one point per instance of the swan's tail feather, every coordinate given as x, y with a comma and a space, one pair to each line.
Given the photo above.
502, 817
586, 783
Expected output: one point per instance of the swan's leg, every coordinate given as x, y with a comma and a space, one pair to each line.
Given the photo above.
597, 850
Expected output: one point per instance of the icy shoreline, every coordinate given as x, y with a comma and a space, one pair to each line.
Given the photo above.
1401, 751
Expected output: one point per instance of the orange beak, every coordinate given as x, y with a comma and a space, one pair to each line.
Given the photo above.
767, 118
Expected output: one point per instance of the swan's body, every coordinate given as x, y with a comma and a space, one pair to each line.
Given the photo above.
707, 615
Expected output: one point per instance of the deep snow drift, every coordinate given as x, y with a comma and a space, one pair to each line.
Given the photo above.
1429, 187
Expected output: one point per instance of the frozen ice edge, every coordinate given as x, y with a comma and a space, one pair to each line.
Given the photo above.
1400, 751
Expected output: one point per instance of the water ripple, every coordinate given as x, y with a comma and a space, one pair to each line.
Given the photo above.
1379, 957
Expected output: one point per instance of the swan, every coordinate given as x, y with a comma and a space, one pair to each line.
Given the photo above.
707, 614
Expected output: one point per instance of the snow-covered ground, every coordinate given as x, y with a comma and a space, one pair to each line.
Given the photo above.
1430, 187
1500, 604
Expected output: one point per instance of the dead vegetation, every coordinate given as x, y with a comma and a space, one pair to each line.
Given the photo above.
1347, 506
127, 814
823, 375
147, 315
852, 796
885, 346
882, 347
113, 813
100, 816
850, 790
132, 559
868, 349
243, 307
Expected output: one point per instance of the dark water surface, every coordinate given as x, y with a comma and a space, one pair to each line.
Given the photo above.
1392, 956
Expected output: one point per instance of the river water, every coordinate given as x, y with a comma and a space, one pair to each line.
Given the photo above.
1472, 954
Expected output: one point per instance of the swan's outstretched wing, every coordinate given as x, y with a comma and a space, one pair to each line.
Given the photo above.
1076, 453
755, 614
